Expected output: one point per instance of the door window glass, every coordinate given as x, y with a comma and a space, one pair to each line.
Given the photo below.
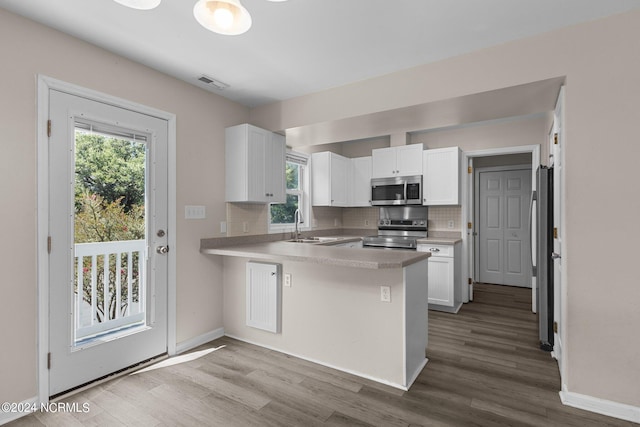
109, 231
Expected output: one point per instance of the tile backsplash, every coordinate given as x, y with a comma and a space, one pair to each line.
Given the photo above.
439, 217
247, 219
251, 219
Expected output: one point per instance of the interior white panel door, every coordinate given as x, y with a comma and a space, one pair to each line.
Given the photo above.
517, 194
557, 161
491, 233
503, 227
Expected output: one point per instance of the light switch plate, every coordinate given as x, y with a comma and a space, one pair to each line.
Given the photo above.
194, 212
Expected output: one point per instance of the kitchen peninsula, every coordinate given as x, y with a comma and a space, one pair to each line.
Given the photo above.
331, 309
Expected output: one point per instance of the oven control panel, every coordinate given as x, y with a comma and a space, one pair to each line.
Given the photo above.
403, 222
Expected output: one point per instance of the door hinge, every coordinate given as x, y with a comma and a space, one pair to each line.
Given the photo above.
555, 327
470, 169
469, 225
555, 139
49, 128
49, 360
470, 281
555, 232
48, 244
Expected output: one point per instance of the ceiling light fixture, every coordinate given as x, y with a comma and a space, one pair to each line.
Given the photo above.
226, 17
140, 4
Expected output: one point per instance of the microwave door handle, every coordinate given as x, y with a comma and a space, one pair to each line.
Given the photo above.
405, 191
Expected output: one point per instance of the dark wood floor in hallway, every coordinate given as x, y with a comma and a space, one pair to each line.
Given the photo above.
484, 369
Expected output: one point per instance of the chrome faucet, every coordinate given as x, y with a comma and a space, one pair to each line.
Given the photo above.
298, 220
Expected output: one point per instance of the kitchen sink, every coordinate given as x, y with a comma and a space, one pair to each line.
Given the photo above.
303, 241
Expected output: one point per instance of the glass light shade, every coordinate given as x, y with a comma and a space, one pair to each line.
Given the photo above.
139, 4
226, 17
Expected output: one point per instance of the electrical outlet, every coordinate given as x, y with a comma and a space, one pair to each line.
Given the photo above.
385, 293
335, 222
366, 222
450, 224
287, 280
223, 226
245, 227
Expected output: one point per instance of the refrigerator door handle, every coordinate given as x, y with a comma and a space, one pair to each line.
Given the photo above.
534, 198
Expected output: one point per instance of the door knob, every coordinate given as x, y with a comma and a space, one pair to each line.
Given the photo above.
162, 249
555, 255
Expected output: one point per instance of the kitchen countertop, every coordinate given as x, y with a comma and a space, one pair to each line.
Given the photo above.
439, 241
320, 253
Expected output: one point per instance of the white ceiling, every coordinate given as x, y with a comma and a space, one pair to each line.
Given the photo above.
299, 47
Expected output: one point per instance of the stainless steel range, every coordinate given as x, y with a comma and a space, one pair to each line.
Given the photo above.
399, 227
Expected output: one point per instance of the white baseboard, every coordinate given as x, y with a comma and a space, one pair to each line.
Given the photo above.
328, 365
7, 417
600, 406
199, 340
415, 375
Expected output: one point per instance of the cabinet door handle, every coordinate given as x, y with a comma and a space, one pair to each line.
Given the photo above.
434, 250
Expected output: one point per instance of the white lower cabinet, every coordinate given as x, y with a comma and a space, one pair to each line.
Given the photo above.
263, 296
444, 279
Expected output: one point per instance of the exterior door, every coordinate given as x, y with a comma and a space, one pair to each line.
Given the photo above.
108, 190
503, 233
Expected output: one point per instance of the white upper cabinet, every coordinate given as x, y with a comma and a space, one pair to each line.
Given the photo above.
403, 160
254, 165
330, 181
360, 172
441, 176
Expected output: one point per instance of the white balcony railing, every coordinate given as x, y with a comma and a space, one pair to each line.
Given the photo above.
109, 287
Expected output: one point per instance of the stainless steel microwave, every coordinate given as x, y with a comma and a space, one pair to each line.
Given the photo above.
400, 190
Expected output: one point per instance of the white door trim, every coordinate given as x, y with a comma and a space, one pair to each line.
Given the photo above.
467, 204
44, 85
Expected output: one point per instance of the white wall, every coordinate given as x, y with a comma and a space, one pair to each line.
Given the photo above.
601, 64
333, 315
28, 49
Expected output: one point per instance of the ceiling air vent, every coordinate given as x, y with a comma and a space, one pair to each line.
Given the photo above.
213, 82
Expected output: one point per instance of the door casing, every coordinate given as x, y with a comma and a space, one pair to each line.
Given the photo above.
44, 85
477, 213
468, 194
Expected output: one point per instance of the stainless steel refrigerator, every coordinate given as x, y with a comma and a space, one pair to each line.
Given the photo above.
542, 265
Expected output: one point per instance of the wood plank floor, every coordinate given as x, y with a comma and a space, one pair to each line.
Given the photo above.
485, 369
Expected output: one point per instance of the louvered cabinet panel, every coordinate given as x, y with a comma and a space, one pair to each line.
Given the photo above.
263, 295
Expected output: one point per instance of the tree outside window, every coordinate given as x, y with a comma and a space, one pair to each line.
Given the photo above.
283, 213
